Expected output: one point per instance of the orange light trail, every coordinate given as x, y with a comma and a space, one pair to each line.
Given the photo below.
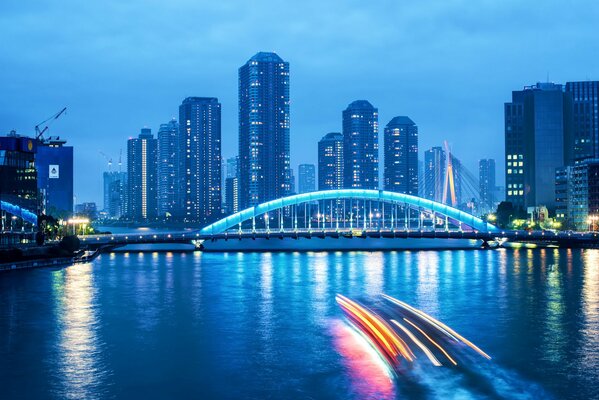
439, 325
425, 349
383, 334
431, 340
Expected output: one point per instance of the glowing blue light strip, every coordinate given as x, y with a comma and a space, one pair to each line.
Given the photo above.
19, 212
361, 194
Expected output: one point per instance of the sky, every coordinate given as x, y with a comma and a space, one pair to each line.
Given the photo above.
122, 65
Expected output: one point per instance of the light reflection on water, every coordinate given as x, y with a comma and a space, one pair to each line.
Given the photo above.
79, 366
258, 325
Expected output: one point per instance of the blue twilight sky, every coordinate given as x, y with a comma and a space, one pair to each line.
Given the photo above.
121, 65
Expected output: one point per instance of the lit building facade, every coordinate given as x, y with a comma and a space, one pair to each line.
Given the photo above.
330, 161
167, 168
401, 156
306, 175
199, 159
434, 173
486, 181
360, 146
538, 140
18, 175
142, 204
264, 156
585, 112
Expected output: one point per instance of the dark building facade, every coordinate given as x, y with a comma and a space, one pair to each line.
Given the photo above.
264, 157
434, 173
585, 112
115, 194
54, 163
330, 161
401, 156
538, 140
167, 167
360, 146
200, 159
18, 175
142, 174
306, 178
486, 181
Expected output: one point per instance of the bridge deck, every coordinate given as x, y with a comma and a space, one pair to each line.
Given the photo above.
564, 239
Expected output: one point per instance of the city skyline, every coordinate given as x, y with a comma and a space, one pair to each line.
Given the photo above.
120, 62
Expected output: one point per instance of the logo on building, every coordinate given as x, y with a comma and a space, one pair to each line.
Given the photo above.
53, 172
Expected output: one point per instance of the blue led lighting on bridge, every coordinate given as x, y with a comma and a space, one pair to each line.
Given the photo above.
359, 194
19, 212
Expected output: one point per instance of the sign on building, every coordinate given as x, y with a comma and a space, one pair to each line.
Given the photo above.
53, 173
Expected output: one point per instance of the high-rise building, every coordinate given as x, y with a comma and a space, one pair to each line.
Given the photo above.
115, 194
232, 195
360, 146
167, 168
486, 181
54, 163
306, 175
264, 158
199, 160
401, 156
230, 169
577, 194
434, 173
538, 140
141, 176
330, 161
291, 182
18, 175
585, 136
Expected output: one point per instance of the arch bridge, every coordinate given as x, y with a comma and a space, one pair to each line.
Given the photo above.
349, 213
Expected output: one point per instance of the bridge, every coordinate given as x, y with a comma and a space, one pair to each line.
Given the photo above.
347, 219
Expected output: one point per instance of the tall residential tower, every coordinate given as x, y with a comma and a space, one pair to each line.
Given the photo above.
361, 146
264, 159
401, 156
141, 176
330, 161
199, 159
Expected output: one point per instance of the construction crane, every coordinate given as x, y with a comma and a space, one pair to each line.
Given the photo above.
108, 159
39, 133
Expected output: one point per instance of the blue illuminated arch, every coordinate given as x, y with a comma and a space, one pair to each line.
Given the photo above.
361, 194
19, 212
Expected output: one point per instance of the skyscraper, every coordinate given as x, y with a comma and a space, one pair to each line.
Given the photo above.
401, 156
141, 176
231, 182
115, 192
54, 162
264, 159
434, 173
167, 167
232, 195
306, 175
486, 181
361, 146
330, 161
199, 160
538, 140
585, 97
